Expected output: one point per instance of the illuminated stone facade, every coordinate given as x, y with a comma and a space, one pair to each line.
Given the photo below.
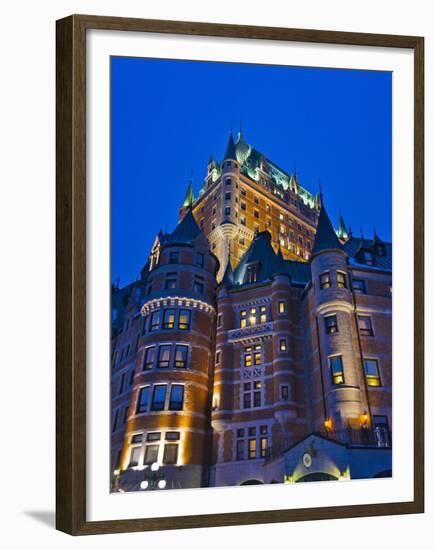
256, 346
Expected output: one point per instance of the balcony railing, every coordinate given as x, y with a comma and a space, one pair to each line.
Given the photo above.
252, 331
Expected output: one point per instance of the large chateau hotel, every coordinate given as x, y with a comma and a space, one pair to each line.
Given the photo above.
255, 347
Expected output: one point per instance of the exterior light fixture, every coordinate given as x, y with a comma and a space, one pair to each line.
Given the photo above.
144, 484
153, 479
328, 423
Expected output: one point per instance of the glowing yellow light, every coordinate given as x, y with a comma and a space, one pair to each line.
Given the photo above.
328, 423
364, 417
116, 472
252, 320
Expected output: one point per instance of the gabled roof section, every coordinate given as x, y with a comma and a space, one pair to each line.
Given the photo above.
228, 278
185, 232
326, 238
354, 245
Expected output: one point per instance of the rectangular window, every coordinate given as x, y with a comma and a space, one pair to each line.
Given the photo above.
171, 281
143, 400
337, 374
153, 436
121, 384
382, 431
359, 286
218, 357
169, 318
257, 355
148, 360
181, 356
228, 181
341, 279
219, 320
155, 320
263, 447
243, 205
227, 211
282, 344
198, 284
159, 396
176, 398
136, 438
251, 274
256, 214
262, 314
170, 453
281, 307
240, 452
199, 259
371, 368
243, 192
247, 395
253, 316
331, 325
243, 318
247, 361
172, 436
115, 420
184, 319
151, 454
228, 195
257, 394
252, 448
365, 325
242, 220
134, 457
164, 356
284, 392
325, 281
173, 257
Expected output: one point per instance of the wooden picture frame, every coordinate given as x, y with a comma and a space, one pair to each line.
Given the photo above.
71, 273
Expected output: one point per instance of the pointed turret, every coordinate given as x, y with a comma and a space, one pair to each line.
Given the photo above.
342, 232
376, 239
228, 278
189, 198
186, 231
326, 238
230, 153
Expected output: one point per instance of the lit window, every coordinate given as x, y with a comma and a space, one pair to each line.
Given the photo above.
263, 447
281, 307
371, 368
337, 374
281, 216
251, 274
164, 356
253, 316
325, 281
248, 357
176, 397
148, 360
331, 325
262, 314
252, 448
155, 320
181, 356
243, 318
341, 279
159, 397
143, 399
169, 318
359, 286
283, 344
365, 325
184, 319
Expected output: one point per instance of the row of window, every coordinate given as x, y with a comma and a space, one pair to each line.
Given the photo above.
168, 319
119, 355
174, 258
251, 442
171, 283
371, 369
165, 356
154, 448
358, 285
364, 325
160, 397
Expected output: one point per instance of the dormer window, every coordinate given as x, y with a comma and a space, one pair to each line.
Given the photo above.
251, 274
379, 249
367, 257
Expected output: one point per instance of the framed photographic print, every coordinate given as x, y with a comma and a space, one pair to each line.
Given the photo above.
239, 275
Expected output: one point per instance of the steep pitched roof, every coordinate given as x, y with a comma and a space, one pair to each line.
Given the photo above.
189, 199
228, 278
230, 153
326, 238
185, 232
355, 244
342, 232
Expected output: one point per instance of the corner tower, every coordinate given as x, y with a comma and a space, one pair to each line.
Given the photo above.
168, 420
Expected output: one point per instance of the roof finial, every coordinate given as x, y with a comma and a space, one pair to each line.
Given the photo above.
320, 193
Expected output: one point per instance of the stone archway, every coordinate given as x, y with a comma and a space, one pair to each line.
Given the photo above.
317, 476
252, 482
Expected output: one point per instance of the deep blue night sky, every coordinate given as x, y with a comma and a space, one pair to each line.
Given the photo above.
169, 116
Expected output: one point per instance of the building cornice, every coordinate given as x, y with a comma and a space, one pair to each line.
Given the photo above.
181, 301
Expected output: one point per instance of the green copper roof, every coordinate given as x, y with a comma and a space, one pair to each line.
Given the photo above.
326, 238
230, 153
342, 232
189, 198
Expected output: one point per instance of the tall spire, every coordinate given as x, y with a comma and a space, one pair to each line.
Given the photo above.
376, 238
189, 198
326, 238
230, 153
342, 232
228, 278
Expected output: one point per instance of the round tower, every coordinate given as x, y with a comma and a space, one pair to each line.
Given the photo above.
337, 340
168, 421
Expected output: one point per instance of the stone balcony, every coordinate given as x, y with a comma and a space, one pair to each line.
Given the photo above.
251, 333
